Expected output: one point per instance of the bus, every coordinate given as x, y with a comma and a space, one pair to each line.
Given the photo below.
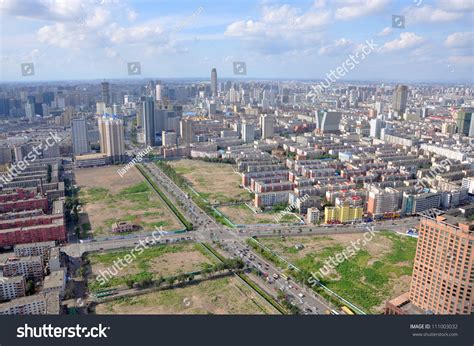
105, 293
347, 311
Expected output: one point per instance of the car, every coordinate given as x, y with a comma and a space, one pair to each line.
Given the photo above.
301, 295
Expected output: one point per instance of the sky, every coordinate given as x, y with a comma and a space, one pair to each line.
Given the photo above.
293, 39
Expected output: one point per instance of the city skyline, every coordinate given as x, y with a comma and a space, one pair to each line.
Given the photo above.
304, 40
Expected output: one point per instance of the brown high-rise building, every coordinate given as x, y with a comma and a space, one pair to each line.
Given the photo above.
111, 138
443, 271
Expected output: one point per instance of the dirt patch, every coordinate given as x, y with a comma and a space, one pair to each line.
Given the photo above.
217, 182
101, 189
240, 214
173, 263
219, 296
107, 177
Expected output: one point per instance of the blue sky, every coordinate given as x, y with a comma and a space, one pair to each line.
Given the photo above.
94, 39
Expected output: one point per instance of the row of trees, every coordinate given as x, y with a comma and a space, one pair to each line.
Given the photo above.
235, 264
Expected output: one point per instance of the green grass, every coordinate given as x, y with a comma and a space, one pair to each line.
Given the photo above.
366, 285
188, 225
142, 262
222, 293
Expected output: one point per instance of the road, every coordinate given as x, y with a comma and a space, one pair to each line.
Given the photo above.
232, 242
233, 245
77, 249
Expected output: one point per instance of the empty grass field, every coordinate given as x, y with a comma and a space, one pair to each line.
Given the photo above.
242, 215
216, 182
379, 271
108, 198
225, 295
156, 261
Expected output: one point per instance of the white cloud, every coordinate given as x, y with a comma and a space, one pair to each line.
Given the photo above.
281, 29
457, 5
359, 8
430, 14
337, 47
460, 40
462, 60
406, 40
132, 15
385, 32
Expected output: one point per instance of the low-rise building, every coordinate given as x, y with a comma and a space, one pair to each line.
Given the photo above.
12, 287
37, 304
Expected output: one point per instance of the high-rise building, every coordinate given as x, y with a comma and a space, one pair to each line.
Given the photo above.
187, 131
400, 96
159, 91
111, 138
465, 122
266, 125
248, 132
376, 127
30, 111
443, 270
80, 143
328, 121
383, 201
214, 82
105, 92
148, 111
100, 108
379, 107
168, 138
161, 117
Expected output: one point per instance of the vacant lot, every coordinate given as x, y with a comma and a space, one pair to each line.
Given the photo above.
216, 182
240, 214
108, 198
219, 296
162, 260
380, 270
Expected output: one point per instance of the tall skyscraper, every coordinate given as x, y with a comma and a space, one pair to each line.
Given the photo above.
379, 107
105, 93
400, 96
214, 82
111, 138
465, 122
248, 132
161, 116
266, 125
80, 143
187, 130
443, 271
159, 91
148, 112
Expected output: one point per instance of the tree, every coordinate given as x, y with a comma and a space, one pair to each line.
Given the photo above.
170, 280
129, 283
159, 281
30, 287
